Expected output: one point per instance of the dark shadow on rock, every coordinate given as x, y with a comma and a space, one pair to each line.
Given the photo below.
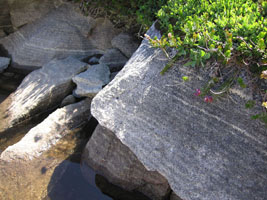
75, 185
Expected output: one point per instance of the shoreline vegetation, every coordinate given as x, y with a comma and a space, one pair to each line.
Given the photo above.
218, 34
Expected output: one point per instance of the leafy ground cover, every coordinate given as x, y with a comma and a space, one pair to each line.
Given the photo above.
219, 33
223, 34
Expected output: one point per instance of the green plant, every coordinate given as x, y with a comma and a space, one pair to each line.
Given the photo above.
230, 31
129, 13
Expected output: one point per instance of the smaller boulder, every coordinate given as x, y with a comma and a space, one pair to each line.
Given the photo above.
39, 92
125, 43
70, 99
48, 134
114, 59
93, 61
4, 62
90, 82
102, 34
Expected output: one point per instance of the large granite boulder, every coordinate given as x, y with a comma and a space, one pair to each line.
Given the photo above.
108, 156
204, 150
48, 134
40, 91
90, 82
60, 33
25, 11
4, 62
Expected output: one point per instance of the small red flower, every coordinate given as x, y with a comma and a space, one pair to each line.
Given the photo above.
198, 92
208, 99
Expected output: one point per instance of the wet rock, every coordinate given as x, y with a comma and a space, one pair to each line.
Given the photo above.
121, 167
60, 33
4, 62
102, 33
204, 150
48, 133
90, 82
125, 43
25, 11
114, 59
70, 99
30, 180
40, 91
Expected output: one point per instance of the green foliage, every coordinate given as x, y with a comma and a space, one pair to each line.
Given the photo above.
137, 11
250, 104
261, 116
185, 78
241, 82
224, 29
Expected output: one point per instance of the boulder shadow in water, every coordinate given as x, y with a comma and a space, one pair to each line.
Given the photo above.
75, 184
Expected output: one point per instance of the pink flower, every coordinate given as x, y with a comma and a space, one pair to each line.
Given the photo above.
169, 35
208, 99
198, 92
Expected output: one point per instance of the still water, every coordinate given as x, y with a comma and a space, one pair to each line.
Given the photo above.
56, 174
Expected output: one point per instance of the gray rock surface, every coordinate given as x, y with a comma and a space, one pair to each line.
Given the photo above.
114, 59
4, 62
25, 11
174, 197
40, 91
205, 150
70, 99
101, 35
90, 82
108, 156
94, 60
125, 43
61, 33
113, 75
5, 21
48, 134
2, 33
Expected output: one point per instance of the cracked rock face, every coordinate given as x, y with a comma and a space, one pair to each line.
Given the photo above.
60, 33
108, 156
40, 91
205, 150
